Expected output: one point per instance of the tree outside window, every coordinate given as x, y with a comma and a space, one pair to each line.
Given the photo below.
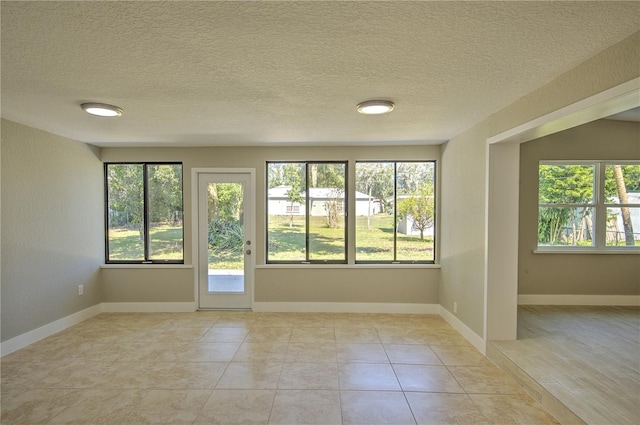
622, 192
395, 212
589, 204
144, 212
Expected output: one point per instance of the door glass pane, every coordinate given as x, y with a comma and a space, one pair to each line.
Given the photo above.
226, 237
327, 208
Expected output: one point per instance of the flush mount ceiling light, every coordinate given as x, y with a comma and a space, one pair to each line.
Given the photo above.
101, 109
375, 107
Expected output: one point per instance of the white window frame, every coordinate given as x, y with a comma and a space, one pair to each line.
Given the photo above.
600, 210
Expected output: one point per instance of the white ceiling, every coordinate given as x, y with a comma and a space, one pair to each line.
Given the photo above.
259, 73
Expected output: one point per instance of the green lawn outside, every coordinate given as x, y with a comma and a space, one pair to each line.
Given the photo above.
623, 244
375, 243
165, 244
587, 244
287, 239
286, 243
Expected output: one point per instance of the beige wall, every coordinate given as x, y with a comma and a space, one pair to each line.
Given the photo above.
462, 222
43, 262
272, 283
464, 174
362, 285
574, 274
52, 228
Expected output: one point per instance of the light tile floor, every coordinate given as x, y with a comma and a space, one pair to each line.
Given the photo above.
260, 368
586, 358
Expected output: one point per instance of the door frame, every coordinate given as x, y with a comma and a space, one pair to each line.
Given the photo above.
195, 235
502, 174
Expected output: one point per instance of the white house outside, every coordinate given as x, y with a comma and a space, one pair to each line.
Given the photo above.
405, 226
616, 231
280, 204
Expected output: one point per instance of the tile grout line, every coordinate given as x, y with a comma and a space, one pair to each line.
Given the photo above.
334, 343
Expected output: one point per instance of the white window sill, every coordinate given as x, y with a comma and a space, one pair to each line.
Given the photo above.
146, 266
586, 251
348, 266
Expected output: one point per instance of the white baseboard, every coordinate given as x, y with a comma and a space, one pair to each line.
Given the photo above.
185, 307
398, 308
612, 300
311, 307
28, 338
42, 332
464, 330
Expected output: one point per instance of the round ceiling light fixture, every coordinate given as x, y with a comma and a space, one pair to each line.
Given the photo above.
375, 107
101, 109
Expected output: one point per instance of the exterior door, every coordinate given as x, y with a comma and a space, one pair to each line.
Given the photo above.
225, 240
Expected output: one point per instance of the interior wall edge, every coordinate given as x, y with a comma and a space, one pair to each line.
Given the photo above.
476, 340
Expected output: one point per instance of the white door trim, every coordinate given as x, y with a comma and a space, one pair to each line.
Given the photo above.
195, 173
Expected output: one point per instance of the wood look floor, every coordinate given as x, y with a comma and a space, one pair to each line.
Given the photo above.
582, 363
260, 368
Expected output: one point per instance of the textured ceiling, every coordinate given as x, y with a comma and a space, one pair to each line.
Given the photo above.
255, 73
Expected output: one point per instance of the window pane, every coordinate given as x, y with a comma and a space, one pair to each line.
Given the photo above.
374, 211
566, 184
165, 211
415, 199
622, 184
286, 219
623, 226
327, 219
125, 210
565, 226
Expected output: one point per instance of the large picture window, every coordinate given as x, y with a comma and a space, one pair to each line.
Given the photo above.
395, 212
306, 212
144, 213
592, 205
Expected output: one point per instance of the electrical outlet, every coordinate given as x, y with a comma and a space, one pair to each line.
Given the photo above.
80, 289
455, 307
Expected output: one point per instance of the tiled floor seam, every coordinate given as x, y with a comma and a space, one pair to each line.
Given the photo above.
341, 390
404, 393
556, 414
415, 419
